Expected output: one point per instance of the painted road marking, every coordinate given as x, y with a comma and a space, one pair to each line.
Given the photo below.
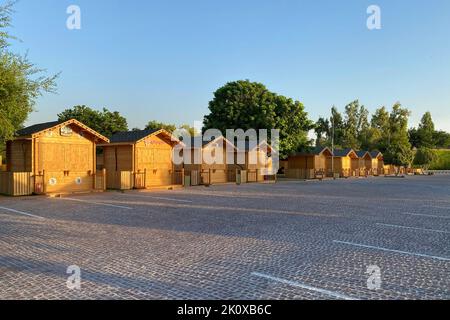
21, 212
437, 207
392, 250
412, 228
98, 203
159, 198
303, 286
424, 215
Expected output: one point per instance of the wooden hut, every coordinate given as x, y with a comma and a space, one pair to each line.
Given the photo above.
255, 160
377, 163
54, 157
346, 162
140, 159
364, 163
200, 168
309, 164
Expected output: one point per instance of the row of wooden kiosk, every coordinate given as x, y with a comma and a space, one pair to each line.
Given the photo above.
322, 162
67, 157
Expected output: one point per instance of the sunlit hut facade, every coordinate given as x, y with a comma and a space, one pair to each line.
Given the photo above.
344, 162
364, 163
377, 163
305, 165
140, 159
210, 162
59, 156
255, 159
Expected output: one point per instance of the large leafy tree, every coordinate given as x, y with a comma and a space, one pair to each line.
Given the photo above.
442, 139
399, 149
21, 82
322, 131
424, 157
250, 105
425, 132
156, 125
351, 131
380, 129
104, 122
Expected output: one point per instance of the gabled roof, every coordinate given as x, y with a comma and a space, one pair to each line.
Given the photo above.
132, 137
198, 141
250, 145
313, 151
343, 152
33, 130
362, 154
376, 154
28, 131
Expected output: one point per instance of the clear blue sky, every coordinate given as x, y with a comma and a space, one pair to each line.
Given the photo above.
163, 60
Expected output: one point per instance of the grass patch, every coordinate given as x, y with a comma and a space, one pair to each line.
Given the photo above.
443, 160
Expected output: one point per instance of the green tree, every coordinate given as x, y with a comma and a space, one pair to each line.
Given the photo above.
21, 82
364, 130
104, 122
337, 129
399, 151
250, 105
155, 125
442, 139
414, 138
350, 139
425, 157
380, 130
323, 132
426, 131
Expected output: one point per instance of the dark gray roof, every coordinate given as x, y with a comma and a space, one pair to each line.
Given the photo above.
375, 154
37, 128
130, 136
310, 151
361, 153
342, 152
248, 145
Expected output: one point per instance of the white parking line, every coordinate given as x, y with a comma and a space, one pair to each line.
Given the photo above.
424, 215
412, 228
437, 207
304, 286
159, 198
98, 203
392, 250
21, 212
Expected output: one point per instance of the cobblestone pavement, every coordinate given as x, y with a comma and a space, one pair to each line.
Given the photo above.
290, 240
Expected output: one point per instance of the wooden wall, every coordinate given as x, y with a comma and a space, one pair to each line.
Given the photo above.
220, 172
18, 155
154, 156
116, 159
67, 162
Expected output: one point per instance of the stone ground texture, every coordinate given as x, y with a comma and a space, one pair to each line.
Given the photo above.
208, 243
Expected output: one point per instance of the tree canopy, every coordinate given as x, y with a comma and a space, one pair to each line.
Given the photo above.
250, 105
21, 82
104, 122
156, 125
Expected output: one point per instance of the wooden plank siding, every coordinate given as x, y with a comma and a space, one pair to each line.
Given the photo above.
145, 163
59, 157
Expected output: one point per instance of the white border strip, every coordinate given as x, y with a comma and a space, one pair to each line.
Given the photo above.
21, 212
424, 215
392, 250
98, 203
303, 286
411, 228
